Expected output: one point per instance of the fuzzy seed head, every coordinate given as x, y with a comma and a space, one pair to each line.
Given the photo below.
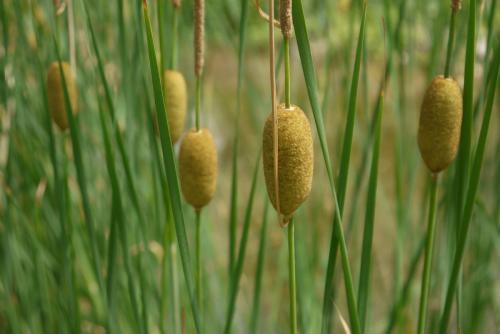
295, 158
440, 121
456, 5
55, 93
176, 3
198, 167
286, 18
176, 102
199, 36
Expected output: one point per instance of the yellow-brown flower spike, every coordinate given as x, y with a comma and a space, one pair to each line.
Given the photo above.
55, 93
198, 167
440, 122
295, 159
176, 102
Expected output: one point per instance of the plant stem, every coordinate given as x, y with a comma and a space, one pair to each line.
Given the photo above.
287, 72
161, 34
426, 277
173, 60
451, 38
198, 103
199, 293
291, 275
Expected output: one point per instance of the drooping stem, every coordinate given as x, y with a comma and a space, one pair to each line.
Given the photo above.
287, 72
426, 277
291, 277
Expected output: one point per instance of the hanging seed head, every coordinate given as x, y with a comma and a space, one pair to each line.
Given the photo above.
286, 18
295, 158
198, 167
440, 121
176, 102
55, 93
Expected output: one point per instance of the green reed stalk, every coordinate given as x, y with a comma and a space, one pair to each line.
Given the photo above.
198, 103
259, 270
291, 276
175, 37
233, 213
429, 247
198, 260
286, 44
471, 197
451, 38
365, 266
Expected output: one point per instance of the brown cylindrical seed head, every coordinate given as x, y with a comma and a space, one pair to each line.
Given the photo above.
456, 5
176, 102
440, 121
199, 35
55, 93
198, 167
176, 3
286, 18
295, 158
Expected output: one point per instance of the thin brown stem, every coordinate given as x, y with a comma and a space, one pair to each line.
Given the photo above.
273, 104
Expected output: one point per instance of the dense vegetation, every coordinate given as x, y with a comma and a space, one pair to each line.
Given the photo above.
119, 215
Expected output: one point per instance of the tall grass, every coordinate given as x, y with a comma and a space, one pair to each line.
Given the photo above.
94, 231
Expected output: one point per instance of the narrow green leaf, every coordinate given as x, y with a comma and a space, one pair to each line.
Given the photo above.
405, 292
463, 156
238, 269
118, 135
170, 168
260, 269
328, 300
81, 175
233, 214
366, 251
308, 69
471, 194
119, 217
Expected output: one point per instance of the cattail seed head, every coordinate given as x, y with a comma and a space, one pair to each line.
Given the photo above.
295, 158
286, 18
440, 121
176, 102
198, 167
456, 5
55, 93
199, 36
176, 3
